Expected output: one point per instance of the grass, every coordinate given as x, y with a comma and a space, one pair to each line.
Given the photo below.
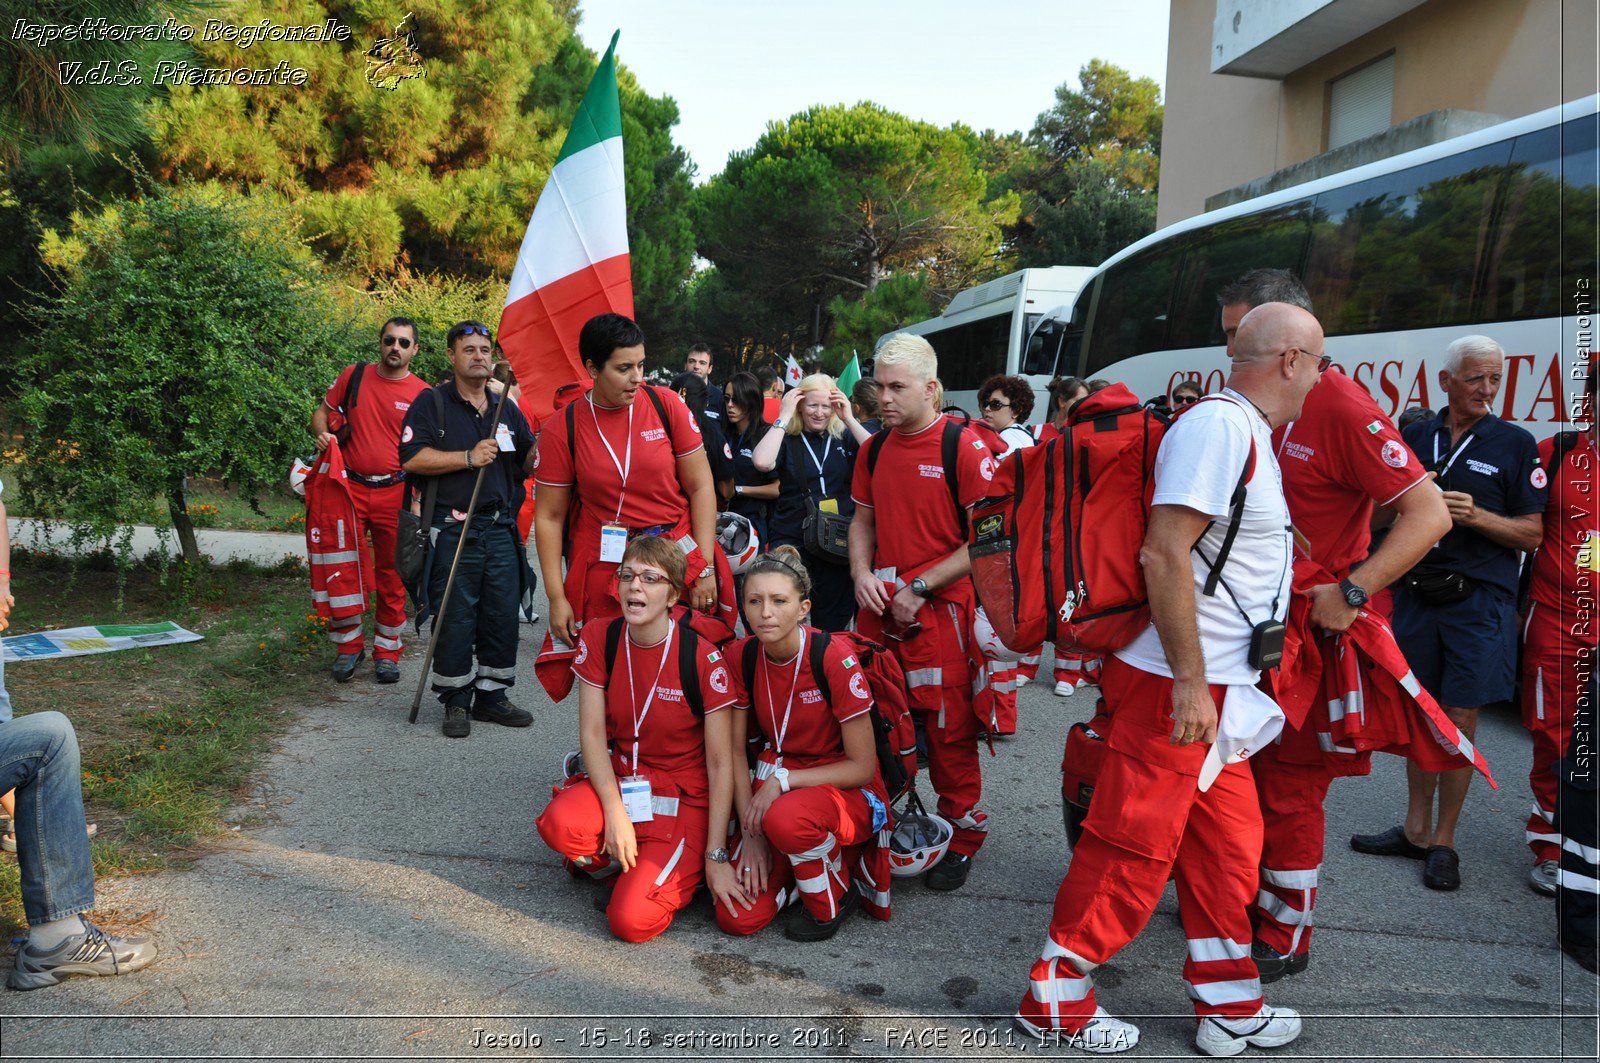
169, 734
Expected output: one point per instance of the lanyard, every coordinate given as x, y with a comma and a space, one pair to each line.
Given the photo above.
794, 682
822, 480
622, 466
1439, 474
638, 714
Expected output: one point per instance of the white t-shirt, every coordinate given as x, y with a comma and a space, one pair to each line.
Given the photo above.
1015, 437
1198, 465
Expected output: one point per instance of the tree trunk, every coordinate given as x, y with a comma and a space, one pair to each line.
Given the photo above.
178, 508
874, 272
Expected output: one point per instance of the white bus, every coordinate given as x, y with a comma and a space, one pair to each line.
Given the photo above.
1494, 232
985, 330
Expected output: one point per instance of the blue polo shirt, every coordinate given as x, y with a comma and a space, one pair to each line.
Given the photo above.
463, 428
1498, 465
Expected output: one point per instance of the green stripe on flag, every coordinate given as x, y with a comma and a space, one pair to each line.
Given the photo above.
851, 374
599, 117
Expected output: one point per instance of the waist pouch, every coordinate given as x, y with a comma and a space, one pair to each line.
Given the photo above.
826, 535
1440, 588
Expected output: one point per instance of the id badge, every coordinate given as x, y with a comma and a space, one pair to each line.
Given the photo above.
502, 438
613, 541
636, 798
829, 505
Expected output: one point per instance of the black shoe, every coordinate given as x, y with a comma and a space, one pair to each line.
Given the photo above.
1270, 966
387, 671
802, 926
1442, 871
1392, 842
344, 665
496, 709
456, 723
950, 873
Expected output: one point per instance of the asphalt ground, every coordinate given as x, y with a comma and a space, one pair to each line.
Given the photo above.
386, 897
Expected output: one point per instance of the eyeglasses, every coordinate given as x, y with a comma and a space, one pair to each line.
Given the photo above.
1323, 360
626, 576
996, 404
397, 341
1185, 400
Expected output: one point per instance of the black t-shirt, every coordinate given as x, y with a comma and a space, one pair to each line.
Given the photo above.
813, 465
1498, 465
464, 427
745, 473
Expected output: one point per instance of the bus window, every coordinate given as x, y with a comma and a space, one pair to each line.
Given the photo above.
1548, 206
1131, 314
1404, 251
1270, 239
1039, 359
971, 353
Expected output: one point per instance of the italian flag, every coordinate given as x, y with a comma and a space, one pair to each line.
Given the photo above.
574, 258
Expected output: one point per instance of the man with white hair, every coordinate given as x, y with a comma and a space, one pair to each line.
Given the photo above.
908, 559
1455, 613
1174, 796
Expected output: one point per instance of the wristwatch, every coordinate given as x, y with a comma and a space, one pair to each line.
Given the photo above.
1354, 596
718, 856
920, 588
781, 776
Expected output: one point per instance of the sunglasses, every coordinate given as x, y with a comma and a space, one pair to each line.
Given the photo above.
901, 632
1184, 400
626, 576
397, 341
996, 404
471, 330
1323, 360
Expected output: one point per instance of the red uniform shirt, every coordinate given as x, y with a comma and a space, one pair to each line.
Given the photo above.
651, 495
917, 523
811, 735
671, 737
376, 420
1566, 566
1340, 458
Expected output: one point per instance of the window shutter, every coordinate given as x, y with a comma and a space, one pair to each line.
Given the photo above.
1361, 103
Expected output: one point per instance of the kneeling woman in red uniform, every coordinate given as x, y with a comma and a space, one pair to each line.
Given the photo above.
655, 741
815, 826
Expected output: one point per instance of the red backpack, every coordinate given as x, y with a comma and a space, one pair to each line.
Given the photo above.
893, 730
1076, 510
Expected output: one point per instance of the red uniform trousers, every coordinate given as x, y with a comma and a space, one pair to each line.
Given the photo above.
996, 702
1028, 667
1291, 777
1148, 819
941, 670
377, 515
816, 834
1075, 668
671, 862
1553, 659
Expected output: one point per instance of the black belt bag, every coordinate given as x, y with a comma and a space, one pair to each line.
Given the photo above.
826, 535
1439, 588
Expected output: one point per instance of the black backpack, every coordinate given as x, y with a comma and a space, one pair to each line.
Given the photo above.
347, 402
688, 661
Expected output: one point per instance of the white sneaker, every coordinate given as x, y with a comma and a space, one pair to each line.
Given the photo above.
1065, 687
1102, 1034
1268, 1028
1022, 680
1545, 876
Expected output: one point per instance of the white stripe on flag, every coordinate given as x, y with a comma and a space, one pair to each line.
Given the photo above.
581, 218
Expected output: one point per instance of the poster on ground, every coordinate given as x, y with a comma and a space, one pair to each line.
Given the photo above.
102, 638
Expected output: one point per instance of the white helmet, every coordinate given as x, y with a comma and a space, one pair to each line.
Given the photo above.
919, 841
989, 641
738, 539
297, 475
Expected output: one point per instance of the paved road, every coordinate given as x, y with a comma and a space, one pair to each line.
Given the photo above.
387, 897
265, 547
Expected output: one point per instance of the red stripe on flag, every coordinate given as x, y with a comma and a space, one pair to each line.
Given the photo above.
539, 332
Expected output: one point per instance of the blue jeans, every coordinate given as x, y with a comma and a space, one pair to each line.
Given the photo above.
39, 759
482, 617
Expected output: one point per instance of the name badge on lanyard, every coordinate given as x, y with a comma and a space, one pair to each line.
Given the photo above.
636, 798
502, 438
613, 541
